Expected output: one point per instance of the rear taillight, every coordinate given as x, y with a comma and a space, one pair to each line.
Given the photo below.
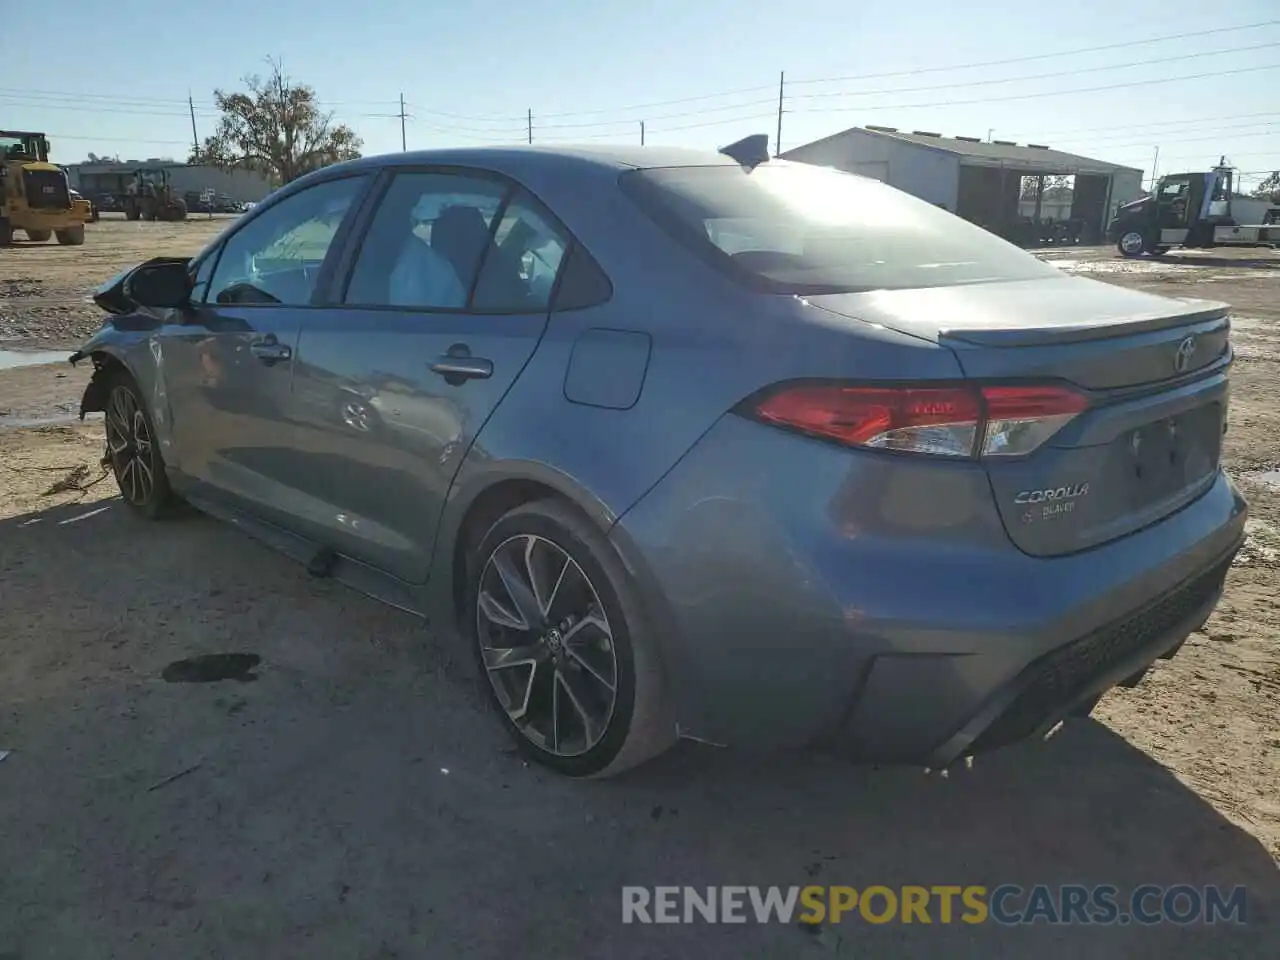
951, 421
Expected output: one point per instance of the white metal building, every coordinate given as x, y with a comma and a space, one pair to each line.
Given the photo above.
242, 186
979, 181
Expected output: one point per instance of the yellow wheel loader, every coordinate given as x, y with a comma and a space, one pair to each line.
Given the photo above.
35, 196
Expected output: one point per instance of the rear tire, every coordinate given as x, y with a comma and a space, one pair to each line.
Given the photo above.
39, 236
6, 232
133, 451
559, 633
71, 236
131, 211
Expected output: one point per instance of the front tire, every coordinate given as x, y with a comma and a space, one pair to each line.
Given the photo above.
71, 236
559, 633
133, 451
39, 236
1132, 243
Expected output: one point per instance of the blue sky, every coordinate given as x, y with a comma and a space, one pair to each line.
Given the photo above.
593, 71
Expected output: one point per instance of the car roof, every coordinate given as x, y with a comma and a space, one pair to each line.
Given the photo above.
531, 157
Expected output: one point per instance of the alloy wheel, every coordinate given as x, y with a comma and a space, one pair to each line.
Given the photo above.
546, 644
129, 446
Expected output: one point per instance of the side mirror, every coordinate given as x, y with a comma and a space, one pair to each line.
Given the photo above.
162, 283
159, 284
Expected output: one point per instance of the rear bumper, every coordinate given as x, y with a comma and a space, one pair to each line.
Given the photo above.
879, 609
1053, 686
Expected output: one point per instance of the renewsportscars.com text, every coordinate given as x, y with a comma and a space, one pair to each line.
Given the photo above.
1007, 904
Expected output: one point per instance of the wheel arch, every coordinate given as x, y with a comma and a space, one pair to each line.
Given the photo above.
107, 363
476, 503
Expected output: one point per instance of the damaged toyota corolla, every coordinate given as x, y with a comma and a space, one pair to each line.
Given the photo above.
705, 445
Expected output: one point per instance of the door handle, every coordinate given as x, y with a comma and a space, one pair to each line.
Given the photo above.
457, 366
270, 350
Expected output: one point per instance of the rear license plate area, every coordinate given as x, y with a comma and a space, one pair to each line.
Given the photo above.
1165, 456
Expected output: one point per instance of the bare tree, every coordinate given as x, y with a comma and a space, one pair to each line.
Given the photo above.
277, 128
1269, 187
1056, 187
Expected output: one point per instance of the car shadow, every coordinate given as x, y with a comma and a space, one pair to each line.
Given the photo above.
359, 799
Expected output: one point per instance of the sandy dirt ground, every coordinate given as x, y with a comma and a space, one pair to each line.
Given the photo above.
45, 288
354, 800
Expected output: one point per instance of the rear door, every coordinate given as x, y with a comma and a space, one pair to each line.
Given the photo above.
443, 298
230, 363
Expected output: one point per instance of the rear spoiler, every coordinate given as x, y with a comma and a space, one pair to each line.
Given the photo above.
1213, 314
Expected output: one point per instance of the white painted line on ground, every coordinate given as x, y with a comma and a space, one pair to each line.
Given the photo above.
83, 516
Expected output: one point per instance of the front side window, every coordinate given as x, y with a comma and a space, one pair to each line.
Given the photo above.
201, 274
276, 257
426, 242
799, 229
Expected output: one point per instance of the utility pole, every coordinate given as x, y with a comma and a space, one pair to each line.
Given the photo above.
777, 142
642, 133
403, 147
1155, 163
531, 124
991, 131
195, 137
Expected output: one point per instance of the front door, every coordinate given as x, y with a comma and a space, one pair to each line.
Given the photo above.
447, 299
230, 363
1173, 198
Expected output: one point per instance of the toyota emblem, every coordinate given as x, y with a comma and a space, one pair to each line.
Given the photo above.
1186, 351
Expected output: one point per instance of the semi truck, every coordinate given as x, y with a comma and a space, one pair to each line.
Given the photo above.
1189, 210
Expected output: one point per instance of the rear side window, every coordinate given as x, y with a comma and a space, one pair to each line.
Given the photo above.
427, 240
583, 283
520, 271
800, 229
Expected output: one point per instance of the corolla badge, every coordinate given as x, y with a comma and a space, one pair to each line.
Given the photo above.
1185, 354
1051, 494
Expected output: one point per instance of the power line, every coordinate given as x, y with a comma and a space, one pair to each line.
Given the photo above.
68, 136
1051, 93
669, 116
1152, 138
389, 103
1179, 140
127, 98
1044, 56
1039, 76
1158, 123
631, 121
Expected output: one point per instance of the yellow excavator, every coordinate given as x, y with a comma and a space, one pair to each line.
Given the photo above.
35, 195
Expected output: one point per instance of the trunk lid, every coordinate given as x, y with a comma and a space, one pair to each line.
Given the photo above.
1153, 368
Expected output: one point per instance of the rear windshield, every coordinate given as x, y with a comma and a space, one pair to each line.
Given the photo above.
796, 228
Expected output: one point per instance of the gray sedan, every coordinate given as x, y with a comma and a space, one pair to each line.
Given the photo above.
692, 444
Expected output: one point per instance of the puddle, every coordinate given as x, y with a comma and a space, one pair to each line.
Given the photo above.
12, 359
1270, 478
213, 667
62, 420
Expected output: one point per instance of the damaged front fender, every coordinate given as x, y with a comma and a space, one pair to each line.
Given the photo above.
111, 349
